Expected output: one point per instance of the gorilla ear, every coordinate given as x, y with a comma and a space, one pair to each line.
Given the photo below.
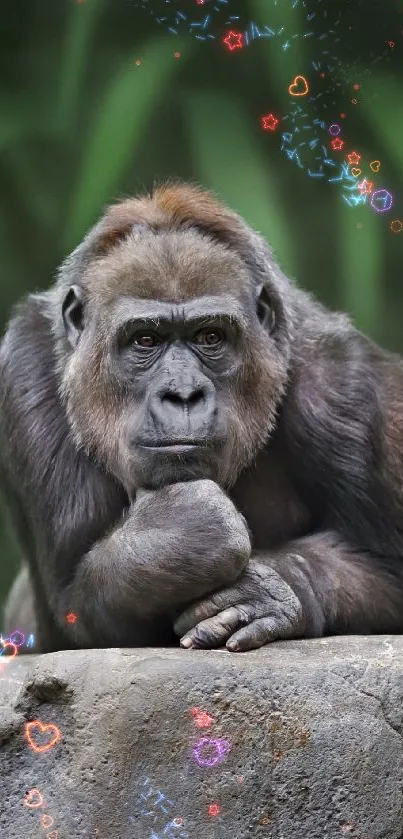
73, 314
265, 311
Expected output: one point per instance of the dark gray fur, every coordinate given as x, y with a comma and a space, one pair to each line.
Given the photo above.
307, 540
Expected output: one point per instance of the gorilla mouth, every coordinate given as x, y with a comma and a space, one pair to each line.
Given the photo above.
175, 446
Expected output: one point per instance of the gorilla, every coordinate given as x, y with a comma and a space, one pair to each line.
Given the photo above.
193, 448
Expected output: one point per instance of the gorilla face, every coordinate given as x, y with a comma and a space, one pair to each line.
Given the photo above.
173, 372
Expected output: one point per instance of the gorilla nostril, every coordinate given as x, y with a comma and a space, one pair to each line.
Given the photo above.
195, 397
190, 399
173, 397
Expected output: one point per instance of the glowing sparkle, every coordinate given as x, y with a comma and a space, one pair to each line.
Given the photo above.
299, 87
353, 158
381, 201
214, 810
71, 617
365, 187
17, 638
233, 41
40, 736
269, 122
209, 751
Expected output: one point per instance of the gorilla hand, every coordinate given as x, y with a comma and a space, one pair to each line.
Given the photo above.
259, 608
190, 540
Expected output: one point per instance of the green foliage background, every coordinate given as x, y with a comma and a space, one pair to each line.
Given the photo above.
81, 123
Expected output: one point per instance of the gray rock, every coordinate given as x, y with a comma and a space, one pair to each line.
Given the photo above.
299, 740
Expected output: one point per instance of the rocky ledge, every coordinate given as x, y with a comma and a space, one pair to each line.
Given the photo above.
299, 740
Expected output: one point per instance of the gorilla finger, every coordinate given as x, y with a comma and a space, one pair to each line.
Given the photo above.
258, 633
204, 609
213, 632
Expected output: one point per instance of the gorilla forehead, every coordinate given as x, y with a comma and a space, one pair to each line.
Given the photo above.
171, 265
160, 310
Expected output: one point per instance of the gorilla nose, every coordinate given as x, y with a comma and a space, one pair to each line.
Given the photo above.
194, 400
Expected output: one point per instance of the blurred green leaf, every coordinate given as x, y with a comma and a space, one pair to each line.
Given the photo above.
385, 120
361, 259
116, 132
231, 162
80, 27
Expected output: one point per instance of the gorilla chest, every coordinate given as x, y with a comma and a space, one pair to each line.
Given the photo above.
266, 496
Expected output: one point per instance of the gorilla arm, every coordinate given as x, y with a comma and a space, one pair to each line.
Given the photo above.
317, 585
343, 429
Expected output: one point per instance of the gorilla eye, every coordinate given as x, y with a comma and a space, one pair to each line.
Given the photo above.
209, 337
145, 339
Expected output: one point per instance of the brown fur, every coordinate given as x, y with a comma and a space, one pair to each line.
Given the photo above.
180, 263
172, 206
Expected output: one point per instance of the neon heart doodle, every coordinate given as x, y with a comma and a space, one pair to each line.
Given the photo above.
33, 798
356, 172
8, 656
47, 821
299, 87
42, 736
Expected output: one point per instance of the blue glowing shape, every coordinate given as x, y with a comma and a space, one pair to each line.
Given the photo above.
381, 201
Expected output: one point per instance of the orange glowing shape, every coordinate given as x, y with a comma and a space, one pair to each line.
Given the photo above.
203, 719
299, 87
41, 736
214, 809
7, 651
365, 187
71, 617
375, 165
337, 144
46, 821
353, 158
33, 798
396, 225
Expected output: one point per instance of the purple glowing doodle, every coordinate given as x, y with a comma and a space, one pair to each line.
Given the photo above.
334, 129
209, 751
17, 638
381, 201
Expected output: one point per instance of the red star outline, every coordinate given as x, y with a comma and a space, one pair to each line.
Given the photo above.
353, 158
365, 187
269, 122
233, 40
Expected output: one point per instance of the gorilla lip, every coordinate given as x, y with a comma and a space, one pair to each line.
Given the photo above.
175, 448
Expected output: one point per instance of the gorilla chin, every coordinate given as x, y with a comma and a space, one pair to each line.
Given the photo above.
160, 465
